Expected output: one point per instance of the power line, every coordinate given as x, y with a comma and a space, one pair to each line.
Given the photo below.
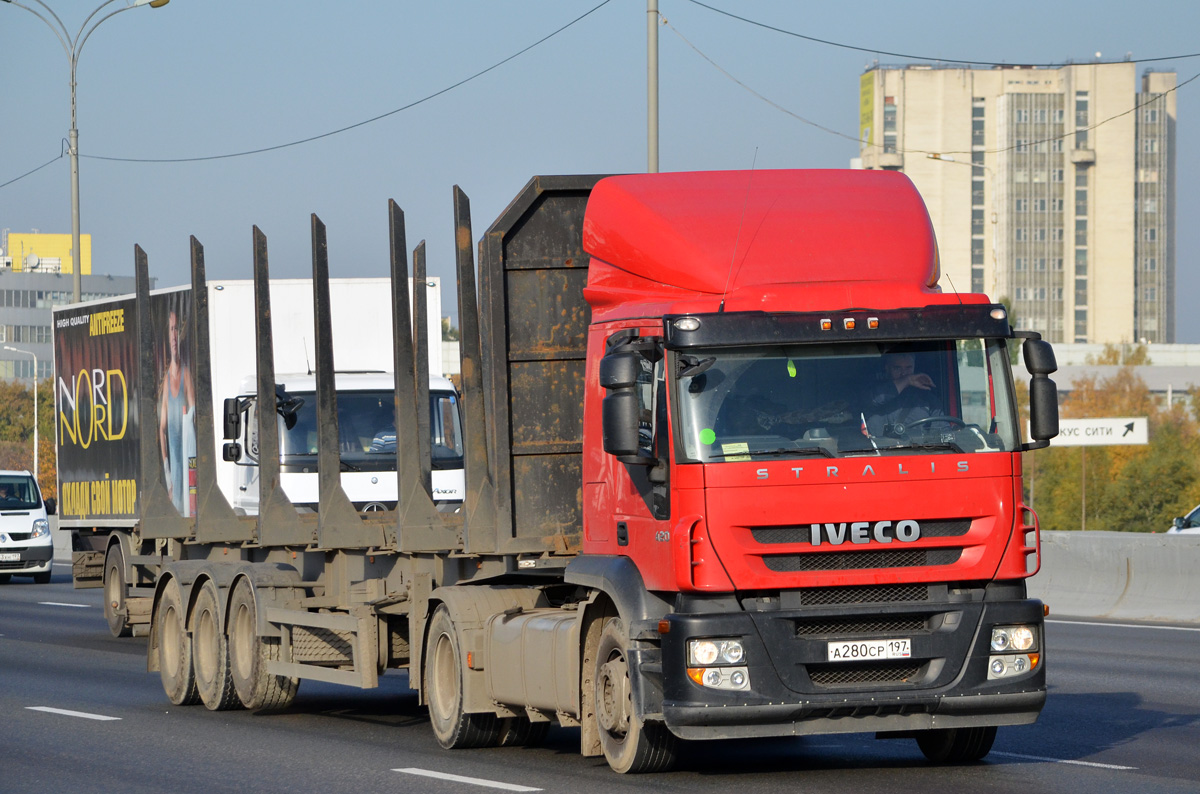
899, 150
875, 51
358, 124
34, 171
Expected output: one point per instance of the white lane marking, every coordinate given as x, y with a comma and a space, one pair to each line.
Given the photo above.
1062, 761
474, 781
62, 604
1126, 625
66, 713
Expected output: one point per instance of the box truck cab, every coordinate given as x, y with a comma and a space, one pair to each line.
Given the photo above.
367, 443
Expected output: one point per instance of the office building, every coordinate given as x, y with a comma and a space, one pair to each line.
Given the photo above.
35, 276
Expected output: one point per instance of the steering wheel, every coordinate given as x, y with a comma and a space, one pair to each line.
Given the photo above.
952, 420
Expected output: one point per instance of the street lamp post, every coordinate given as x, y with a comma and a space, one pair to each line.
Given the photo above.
36, 471
73, 46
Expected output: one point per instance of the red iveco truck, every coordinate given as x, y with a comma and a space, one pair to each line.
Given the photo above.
735, 467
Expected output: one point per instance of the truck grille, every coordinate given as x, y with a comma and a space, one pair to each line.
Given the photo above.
802, 533
866, 594
855, 675
881, 625
860, 560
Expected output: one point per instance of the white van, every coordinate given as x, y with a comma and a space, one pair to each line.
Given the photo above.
26, 548
1186, 525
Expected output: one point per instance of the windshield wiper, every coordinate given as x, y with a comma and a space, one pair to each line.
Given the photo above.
779, 452
927, 446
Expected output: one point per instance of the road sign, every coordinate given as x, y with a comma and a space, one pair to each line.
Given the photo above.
1101, 432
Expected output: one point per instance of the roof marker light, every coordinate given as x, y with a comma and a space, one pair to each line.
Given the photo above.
848, 323
687, 324
999, 314
827, 325
873, 323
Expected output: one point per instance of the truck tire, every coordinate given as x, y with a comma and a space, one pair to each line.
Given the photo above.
521, 732
210, 652
630, 746
114, 592
175, 648
453, 728
956, 745
249, 654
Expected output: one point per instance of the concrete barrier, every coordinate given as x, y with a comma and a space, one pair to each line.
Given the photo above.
1120, 575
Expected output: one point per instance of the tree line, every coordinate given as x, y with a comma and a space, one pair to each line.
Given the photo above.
1118, 488
16, 431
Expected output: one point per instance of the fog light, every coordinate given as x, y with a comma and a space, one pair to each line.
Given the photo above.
712, 677
1019, 664
997, 667
738, 679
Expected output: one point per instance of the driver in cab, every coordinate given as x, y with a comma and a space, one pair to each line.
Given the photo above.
904, 396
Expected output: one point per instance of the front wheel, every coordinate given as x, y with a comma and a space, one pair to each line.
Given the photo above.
956, 745
629, 744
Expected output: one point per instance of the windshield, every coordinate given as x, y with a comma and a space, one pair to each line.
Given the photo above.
17, 492
367, 429
845, 399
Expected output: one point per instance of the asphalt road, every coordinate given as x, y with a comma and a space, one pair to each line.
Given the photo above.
79, 713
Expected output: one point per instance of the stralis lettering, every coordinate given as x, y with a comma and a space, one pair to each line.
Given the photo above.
864, 532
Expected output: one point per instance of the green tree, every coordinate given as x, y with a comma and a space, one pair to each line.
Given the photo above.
1128, 488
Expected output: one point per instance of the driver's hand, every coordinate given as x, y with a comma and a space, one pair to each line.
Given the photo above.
921, 381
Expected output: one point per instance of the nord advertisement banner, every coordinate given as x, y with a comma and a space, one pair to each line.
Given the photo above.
97, 418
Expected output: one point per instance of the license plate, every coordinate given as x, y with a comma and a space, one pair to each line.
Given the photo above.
10, 556
869, 650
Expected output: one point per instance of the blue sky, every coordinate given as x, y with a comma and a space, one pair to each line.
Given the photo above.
204, 78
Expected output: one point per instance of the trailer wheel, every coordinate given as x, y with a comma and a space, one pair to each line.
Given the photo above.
250, 653
522, 732
453, 727
629, 745
956, 745
210, 652
114, 592
175, 648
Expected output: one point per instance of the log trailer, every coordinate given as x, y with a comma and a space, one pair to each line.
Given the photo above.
693, 509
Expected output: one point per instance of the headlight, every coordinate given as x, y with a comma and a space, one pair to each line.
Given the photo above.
1012, 638
41, 528
702, 653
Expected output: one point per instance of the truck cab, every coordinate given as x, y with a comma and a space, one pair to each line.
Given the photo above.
368, 437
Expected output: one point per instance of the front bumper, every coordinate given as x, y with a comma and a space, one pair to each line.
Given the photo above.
31, 559
795, 690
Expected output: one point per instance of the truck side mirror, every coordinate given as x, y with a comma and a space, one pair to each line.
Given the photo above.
1043, 394
1039, 357
232, 420
621, 372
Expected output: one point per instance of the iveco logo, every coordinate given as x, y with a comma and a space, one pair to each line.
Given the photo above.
864, 532
374, 507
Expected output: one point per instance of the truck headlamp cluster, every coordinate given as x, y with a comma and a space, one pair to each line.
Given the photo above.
705, 653
1007, 639
716, 664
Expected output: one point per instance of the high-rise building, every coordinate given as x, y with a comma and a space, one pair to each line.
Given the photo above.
1051, 188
